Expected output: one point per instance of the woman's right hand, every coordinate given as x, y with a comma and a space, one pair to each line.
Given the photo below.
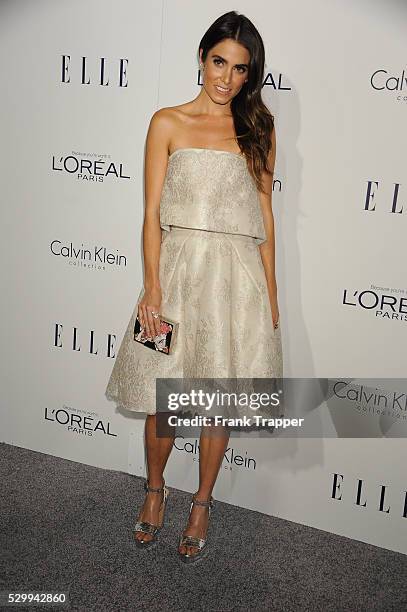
150, 302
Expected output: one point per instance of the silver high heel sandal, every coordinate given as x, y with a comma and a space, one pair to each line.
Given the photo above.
144, 526
199, 543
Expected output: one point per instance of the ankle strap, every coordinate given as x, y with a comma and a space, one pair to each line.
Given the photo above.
207, 504
152, 489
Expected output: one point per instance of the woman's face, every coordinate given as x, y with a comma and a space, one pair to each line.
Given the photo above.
225, 70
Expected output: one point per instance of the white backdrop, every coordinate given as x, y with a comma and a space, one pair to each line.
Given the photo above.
72, 190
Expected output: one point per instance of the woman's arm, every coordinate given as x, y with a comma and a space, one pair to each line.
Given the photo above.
156, 159
267, 249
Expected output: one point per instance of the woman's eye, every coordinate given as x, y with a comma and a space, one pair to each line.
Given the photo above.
219, 62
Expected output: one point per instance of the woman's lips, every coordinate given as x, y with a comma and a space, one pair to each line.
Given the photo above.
222, 90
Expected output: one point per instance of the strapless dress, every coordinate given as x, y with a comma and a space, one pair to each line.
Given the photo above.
212, 280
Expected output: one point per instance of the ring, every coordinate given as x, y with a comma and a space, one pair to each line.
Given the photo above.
155, 314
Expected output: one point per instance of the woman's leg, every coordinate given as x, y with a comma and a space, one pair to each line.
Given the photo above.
158, 450
212, 447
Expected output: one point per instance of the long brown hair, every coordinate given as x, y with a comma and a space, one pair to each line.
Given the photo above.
252, 119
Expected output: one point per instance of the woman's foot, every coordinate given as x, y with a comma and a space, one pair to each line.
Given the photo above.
150, 511
197, 525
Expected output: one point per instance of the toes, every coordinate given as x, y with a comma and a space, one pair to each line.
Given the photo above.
140, 535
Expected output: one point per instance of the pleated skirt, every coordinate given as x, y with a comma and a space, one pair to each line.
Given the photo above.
214, 285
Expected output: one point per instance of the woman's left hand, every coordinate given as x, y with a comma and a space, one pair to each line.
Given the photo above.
275, 311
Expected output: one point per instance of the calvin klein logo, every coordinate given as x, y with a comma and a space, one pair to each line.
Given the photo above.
383, 80
91, 170
100, 74
390, 194
96, 255
369, 397
377, 501
231, 458
392, 307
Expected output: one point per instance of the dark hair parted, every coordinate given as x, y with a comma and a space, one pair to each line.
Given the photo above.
252, 119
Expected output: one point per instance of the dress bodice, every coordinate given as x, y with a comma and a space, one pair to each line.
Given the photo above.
211, 190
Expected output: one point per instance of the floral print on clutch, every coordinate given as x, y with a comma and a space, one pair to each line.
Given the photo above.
164, 341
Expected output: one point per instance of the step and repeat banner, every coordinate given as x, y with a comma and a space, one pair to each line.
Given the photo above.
80, 83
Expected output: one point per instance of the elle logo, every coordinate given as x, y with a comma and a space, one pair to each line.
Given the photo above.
110, 340
101, 75
372, 188
359, 496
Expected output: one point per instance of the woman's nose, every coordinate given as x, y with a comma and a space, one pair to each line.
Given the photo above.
227, 75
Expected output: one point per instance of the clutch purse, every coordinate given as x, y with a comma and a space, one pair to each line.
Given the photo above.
164, 342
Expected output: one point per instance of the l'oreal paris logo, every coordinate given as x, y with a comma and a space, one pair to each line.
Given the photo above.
269, 81
83, 424
92, 170
385, 306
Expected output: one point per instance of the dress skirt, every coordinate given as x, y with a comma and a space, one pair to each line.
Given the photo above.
214, 285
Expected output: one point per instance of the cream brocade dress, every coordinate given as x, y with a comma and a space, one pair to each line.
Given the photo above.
212, 280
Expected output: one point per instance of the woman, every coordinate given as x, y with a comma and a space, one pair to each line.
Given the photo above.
208, 181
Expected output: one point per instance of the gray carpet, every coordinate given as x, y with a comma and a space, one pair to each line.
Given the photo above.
67, 526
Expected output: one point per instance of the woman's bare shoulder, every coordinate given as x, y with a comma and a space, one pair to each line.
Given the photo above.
173, 113
169, 121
